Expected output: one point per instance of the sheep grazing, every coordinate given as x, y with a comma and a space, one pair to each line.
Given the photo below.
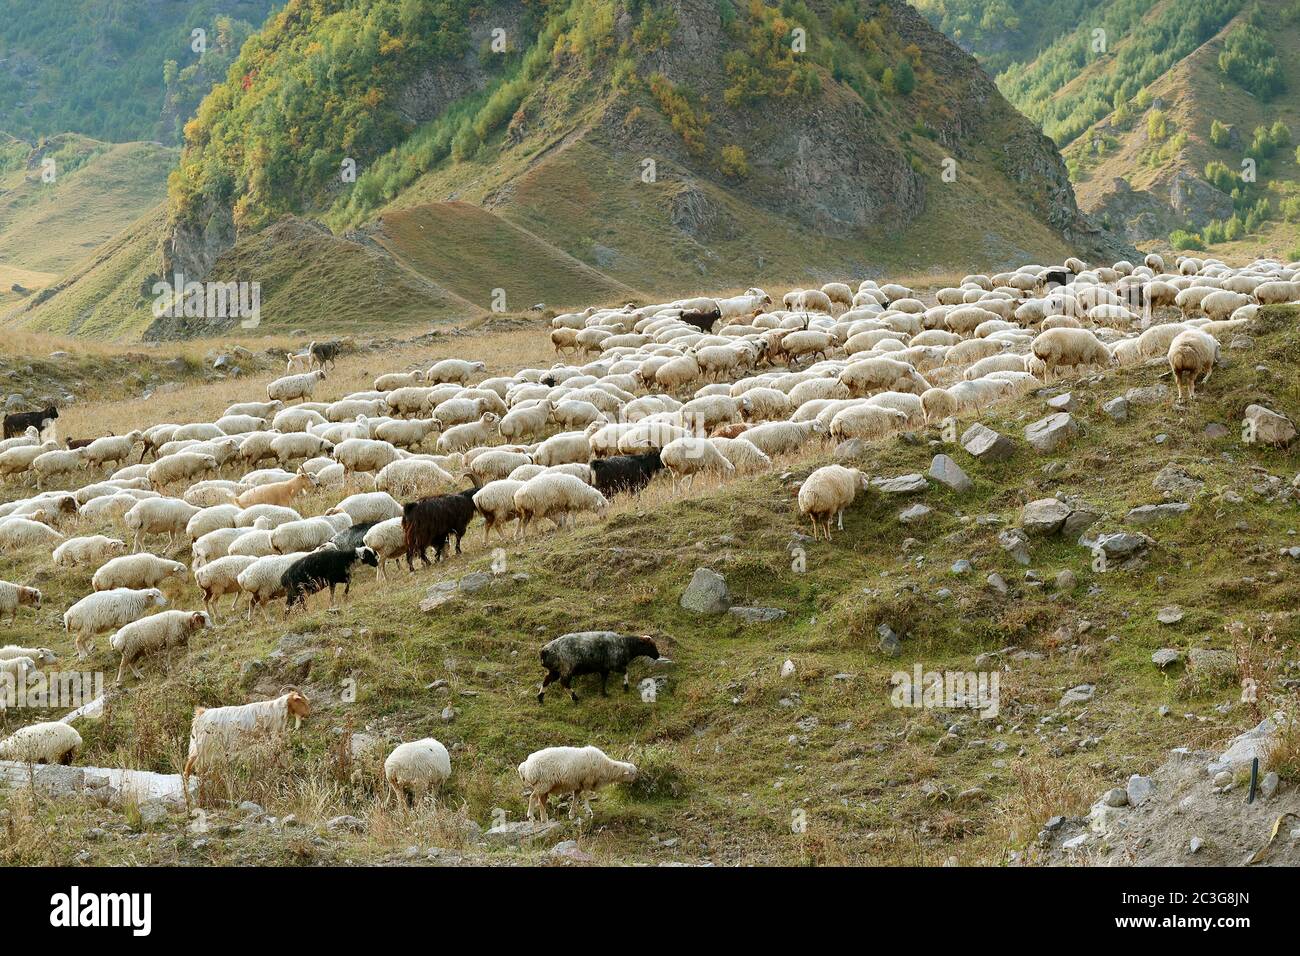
495, 501
14, 596
220, 577
556, 496
108, 611
326, 568
50, 742
430, 521
262, 580
135, 571
1192, 356
827, 492
1069, 347
158, 632
578, 771
416, 768
591, 652
624, 474
219, 735
686, 457
41, 655
278, 492
169, 516
17, 534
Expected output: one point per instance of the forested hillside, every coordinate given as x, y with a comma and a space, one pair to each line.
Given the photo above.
115, 71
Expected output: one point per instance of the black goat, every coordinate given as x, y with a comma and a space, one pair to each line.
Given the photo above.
430, 521
591, 652
19, 422
326, 568
619, 473
702, 319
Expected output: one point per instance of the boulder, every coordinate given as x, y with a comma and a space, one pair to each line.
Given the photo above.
1044, 516
1049, 434
985, 444
707, 593
946, 471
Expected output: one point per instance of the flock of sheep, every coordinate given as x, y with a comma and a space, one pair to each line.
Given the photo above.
697, 386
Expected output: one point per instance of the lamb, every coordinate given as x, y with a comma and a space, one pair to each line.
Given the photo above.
278, 492
430, 521
210, 493
166, 629
294, 387
368, 507
685, 457
50, 742
108, 611
417, 767
570, 770
387, 540
1069, 347
743, 455
220, 577
453, 370
219, 734
90, 550
591, 652
556, 496
115, 449
326, 568
17, 534
41, 655
135, 571
168, 516
213, 545
1192, 356
395, 380
14, 596
256, 409
262, 580
827, 492
17, 669
469, 434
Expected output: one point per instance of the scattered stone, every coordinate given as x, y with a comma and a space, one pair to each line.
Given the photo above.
438, 595
1044, 516
997, 583
1116, 409
985, 444
1048, 434
1150, 514
889, 645
1065, 402
1122, 545
475, 581
757, 615
1081, 519
1166, 657
1066, 580
1210, 661
1270, 784
1077, 695
901, 485
1267, 426
1223, 780
787, 669
1116, 797
1175, 482
152, 813
1140, 789
1157, 394
915, 514
568, 850
1170, 614
707, 593
946, 471
1215, 430
348, 823
1195, 845
521, 832
1014, 543
961, 566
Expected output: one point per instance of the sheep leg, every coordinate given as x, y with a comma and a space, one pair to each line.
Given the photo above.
604, 680
625, 685
549, 679
135, 669
564, 682
120, 668
839, 516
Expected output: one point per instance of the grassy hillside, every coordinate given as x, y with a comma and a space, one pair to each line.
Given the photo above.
730, 750
97, 189
100, 67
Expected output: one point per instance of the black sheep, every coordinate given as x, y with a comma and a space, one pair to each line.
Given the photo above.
591, 652
326, 568
430, 521
19, 422
619, 473
702, 319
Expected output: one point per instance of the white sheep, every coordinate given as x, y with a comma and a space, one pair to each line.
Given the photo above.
261, 579
827, 492
211, 519
108, 611
388, 540
17, 534
135, 571
366, 454
368, 507
41, 655
293, 387
49, 742
304, 535
180, 466
52, 464
1069, 347
417, 767
555, 496
579, 771
168, 516
495, 501
469, 434
778, 438
91, 550
453, 370
14, 596
212, 492
219, 735
163, 630
1192, 356
113, 448
688, 456
868, 421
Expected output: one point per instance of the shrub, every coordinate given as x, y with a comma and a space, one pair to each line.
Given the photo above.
1219, 133
734, 162
1182, 239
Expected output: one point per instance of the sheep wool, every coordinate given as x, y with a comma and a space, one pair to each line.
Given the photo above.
579, 771
417, 767
50, 742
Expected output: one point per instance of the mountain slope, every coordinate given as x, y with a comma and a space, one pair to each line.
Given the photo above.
634, 149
